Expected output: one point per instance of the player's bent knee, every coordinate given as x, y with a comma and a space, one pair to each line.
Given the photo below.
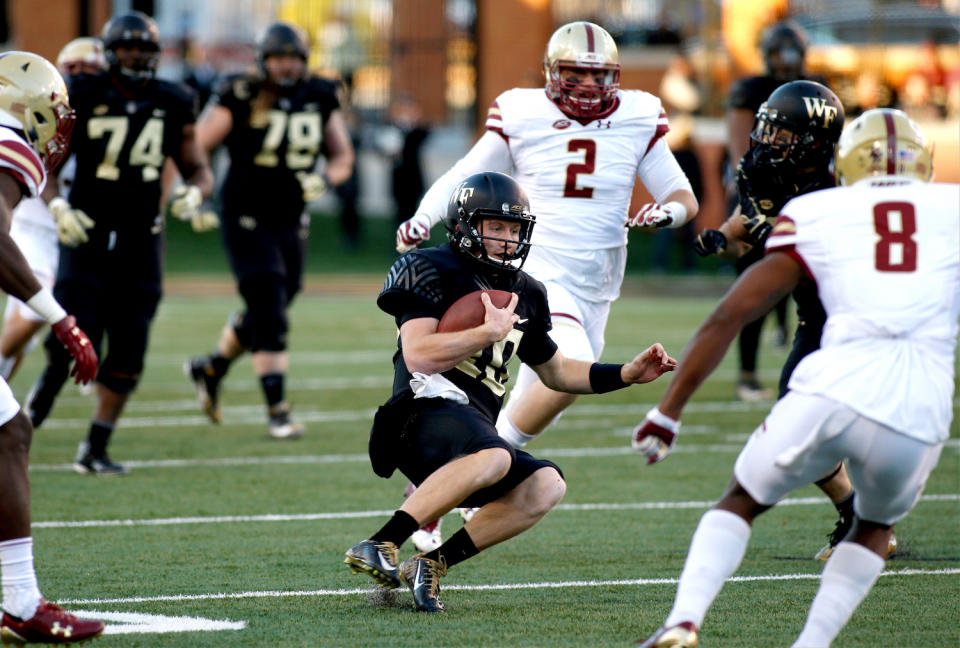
121, 383
497, 463
547, 488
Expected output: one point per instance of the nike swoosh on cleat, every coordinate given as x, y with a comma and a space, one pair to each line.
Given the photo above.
418, 580
387, 567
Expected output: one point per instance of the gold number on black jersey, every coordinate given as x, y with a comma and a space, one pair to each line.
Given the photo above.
303, 133
146, 152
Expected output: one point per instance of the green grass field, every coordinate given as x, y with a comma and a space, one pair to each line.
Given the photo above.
221, 536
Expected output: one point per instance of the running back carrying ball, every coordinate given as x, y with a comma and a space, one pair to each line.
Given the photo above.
468, 311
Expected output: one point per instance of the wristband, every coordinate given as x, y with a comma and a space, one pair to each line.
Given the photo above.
606, 378
46, 306
664, 421
679, 213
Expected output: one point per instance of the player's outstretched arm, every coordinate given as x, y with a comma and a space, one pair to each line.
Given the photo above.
581, 377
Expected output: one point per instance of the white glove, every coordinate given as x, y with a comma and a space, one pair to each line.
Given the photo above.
185, 202
72, 224
313, 185
412, 232
205, 220
655, 215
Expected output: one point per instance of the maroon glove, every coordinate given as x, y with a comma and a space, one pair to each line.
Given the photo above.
79, 346
652, 439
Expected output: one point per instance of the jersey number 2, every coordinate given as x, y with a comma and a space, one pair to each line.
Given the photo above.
570, 188
900, 239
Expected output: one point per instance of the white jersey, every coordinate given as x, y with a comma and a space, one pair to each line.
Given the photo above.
885, 254
579, 178
20, 160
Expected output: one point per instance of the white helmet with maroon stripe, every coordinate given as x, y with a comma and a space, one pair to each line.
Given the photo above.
585, 51
33, 93
883, 142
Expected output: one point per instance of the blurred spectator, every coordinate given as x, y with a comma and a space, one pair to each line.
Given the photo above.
404, 142
198, 73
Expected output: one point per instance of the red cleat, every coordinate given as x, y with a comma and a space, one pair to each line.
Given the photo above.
49, 624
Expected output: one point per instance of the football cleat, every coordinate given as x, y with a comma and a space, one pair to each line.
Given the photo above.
49, 624
87, 463
422, 576
750, 391
427, 538
468, 512
681, 635
280, 424
377, 559
200, 370
825, 552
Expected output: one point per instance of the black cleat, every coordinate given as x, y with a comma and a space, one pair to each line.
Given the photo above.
377, 559
200, 370
422, 576
88, 464
840, 531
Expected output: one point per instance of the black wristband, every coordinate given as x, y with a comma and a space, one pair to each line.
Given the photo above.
606, 378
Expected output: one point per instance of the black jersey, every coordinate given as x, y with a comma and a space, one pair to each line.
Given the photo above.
121, 139
274, 136
424, 283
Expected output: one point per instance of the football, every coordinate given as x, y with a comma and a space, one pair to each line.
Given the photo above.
468, 311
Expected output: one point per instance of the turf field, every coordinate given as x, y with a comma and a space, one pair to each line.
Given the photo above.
221, 536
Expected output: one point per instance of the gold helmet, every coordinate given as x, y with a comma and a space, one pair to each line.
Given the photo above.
33, 93
588, 49
883, 142
82, 55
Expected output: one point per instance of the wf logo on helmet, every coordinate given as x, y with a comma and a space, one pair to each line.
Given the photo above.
818, 106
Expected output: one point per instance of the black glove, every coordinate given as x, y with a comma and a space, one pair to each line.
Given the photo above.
757, 229
709, 242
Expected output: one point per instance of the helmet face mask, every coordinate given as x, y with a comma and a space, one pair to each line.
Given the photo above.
883, 142
582, 69
797, 126
784, 48
33, 93
132, 46
492, 247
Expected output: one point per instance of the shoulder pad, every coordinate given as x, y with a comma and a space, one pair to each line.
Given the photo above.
414, 273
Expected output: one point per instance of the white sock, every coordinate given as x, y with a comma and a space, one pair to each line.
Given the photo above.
849, 574
21, 596
507, 430
715, 553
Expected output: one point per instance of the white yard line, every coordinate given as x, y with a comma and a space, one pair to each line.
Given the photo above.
504, 586
343, 515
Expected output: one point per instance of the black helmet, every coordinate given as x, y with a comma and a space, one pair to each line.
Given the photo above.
797, 126
134, 29
489, 195
784, 48
281, 39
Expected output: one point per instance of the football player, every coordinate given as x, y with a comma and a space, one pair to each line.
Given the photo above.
791, 149
276, 125
784, 47
878, 394
577, 146
36, 231
438, 428
128, 124
35, 125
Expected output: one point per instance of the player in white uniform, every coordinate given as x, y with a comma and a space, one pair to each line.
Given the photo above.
35, 230
576, 147
884, 250
35, 125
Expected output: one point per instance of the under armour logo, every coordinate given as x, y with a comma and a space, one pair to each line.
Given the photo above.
59, 629
603, 124
818, 106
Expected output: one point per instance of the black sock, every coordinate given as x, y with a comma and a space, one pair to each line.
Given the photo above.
845, 506
397, 529
455, 550
272, 384
98, 437
220, 364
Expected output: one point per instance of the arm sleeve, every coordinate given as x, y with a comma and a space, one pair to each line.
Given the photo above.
661, 173
490, 153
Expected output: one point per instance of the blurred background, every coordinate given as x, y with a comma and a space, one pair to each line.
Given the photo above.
418, 76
